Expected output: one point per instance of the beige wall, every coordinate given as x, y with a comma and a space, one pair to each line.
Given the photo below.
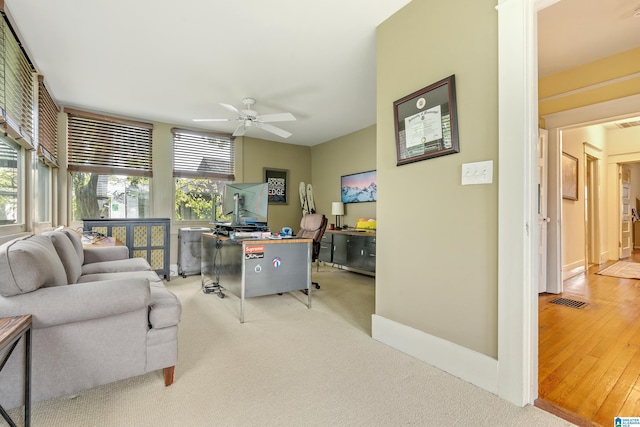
437, 240
258, 154
348, 154
573, 211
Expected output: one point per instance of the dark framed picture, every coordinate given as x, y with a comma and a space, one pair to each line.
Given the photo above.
569, 177
426, 123
359, 187
278, 183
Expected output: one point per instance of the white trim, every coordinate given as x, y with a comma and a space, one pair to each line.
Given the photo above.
517, 217
591, 87
607, 111
468, 365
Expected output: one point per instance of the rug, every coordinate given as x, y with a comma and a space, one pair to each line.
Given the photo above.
622, 269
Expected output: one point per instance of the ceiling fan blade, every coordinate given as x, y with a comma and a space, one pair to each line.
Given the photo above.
240, 130
231, 108
213, 120
280, 117
275, 130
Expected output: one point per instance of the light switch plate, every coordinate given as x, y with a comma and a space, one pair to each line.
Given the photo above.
477, 173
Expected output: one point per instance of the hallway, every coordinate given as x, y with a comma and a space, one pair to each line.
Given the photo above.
589, 357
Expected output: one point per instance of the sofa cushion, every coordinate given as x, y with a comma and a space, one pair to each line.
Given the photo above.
76, 240
29, 263
129, 264
67, 254
150, 275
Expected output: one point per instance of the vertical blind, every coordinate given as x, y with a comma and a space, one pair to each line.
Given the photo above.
203, 155
16, 87
47, 125
108, 145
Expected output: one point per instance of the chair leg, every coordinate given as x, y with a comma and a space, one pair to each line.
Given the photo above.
168, 375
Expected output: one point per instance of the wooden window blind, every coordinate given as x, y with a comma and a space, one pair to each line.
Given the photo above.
47, 125
107, 145
17, 94
203, 155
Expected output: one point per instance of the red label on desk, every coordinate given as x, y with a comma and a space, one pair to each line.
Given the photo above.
253, 252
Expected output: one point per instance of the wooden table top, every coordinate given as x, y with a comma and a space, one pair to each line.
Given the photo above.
11, 327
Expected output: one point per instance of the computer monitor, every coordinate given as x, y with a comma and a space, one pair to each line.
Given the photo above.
248, 203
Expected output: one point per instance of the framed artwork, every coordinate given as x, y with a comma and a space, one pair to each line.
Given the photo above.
359, 187
569, 177
278, 183
426, 123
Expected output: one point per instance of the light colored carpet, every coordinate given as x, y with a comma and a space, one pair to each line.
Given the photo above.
622, 269
287, 365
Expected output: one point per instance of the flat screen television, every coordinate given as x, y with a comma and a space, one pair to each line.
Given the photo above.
248, 203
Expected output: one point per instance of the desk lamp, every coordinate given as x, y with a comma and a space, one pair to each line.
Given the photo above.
337, 209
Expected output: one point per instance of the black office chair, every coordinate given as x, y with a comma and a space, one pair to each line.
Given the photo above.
312, 226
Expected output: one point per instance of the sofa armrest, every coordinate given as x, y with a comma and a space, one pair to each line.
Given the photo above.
79, 302
105, 253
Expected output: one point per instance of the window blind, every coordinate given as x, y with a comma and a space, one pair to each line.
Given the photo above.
47, 125
107, 145
203, 155
17, 92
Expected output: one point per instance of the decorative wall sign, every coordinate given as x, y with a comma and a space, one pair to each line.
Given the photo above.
278, 182
359, 187
426, 123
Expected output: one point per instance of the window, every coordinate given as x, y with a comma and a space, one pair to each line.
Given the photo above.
203, 163
43, 192
11, 202
110, 165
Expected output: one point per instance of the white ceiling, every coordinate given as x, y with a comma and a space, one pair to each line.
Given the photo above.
576, 32
167, 61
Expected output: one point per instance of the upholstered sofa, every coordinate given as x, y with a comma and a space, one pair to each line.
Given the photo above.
98, 316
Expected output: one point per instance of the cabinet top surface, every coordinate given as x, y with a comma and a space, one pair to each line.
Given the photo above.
353, 232
125, 219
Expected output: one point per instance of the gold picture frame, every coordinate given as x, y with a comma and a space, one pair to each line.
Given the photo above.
569, 177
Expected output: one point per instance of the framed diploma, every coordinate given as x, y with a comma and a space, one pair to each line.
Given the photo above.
426, 123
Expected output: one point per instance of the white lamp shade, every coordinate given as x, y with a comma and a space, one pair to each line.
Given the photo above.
337, 208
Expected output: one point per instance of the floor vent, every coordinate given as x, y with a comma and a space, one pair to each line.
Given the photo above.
568, 302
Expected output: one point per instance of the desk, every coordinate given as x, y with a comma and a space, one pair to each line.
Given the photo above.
251, 268
11, 330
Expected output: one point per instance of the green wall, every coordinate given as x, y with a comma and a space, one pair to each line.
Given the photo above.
437, 247
352, 153
258, 154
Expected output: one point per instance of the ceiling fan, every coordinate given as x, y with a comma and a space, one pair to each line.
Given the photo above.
249, 117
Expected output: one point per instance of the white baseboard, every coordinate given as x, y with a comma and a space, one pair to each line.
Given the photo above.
569, 273
468, 365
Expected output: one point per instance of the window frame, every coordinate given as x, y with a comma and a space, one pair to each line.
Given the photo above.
185, 142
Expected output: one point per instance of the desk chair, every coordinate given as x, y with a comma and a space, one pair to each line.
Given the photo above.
312, 226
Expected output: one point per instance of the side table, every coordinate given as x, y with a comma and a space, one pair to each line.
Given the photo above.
11, 330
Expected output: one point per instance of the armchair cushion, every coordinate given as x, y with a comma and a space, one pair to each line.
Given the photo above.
150, 275
29, 263
67, 254
76, 240
81, 302
116, 266
105, 253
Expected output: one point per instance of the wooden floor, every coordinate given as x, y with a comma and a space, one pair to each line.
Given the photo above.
589, 358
